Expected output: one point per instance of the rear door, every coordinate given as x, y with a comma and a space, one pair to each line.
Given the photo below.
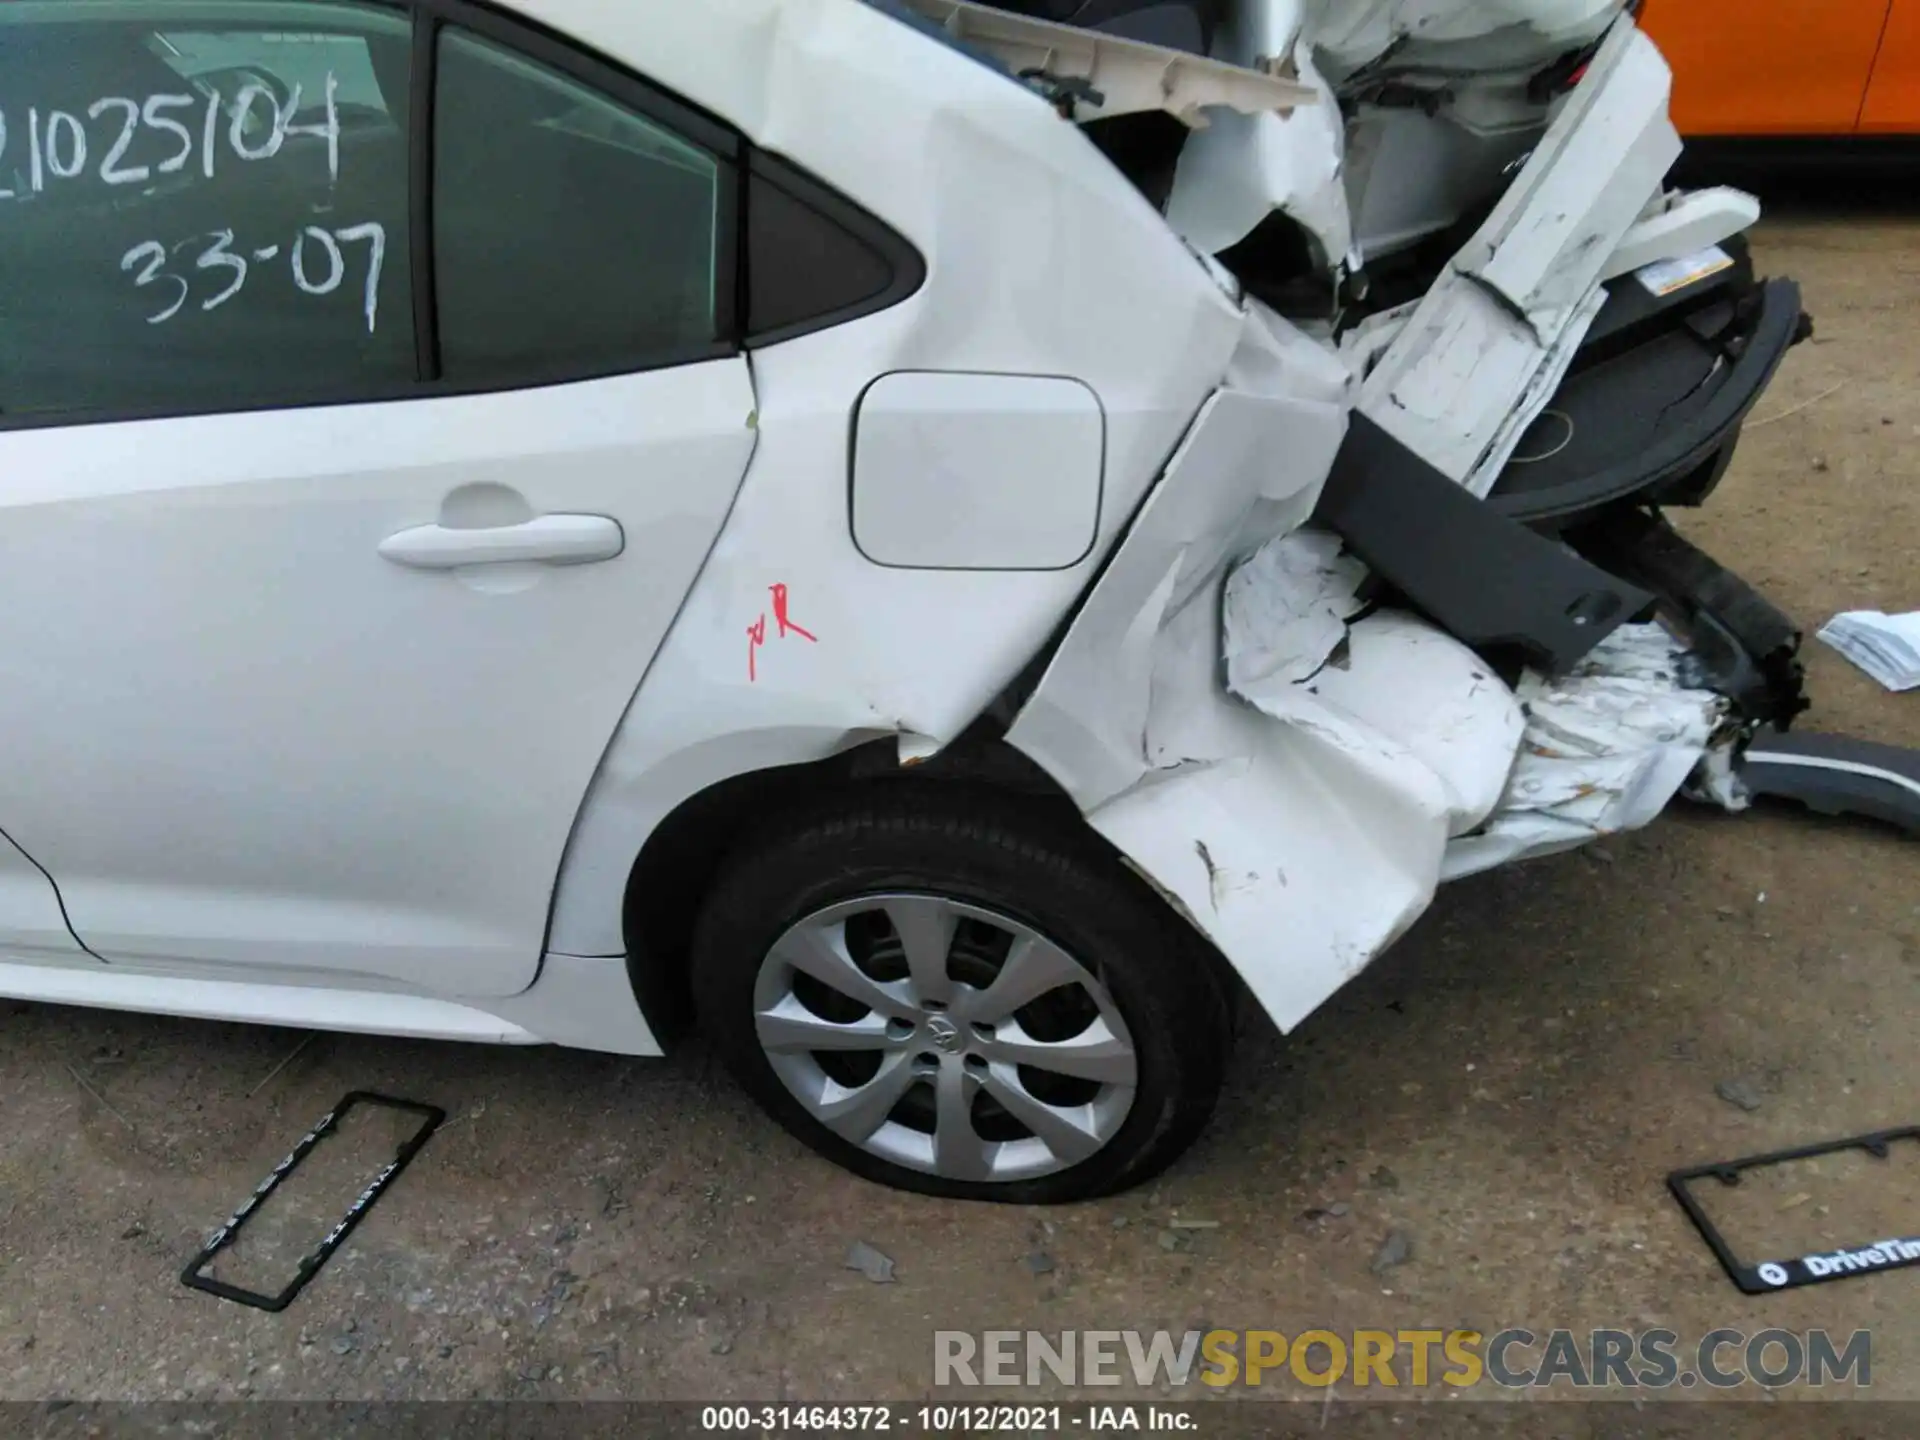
350, 473
1767, 67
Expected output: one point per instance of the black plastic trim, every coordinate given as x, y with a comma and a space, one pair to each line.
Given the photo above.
900, 255
423, 82
1741, 644
1767, 1276
1691, 446
1837, 775
431, 1118
1481, 576
1634, 316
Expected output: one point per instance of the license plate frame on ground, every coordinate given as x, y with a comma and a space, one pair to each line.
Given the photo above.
431, 1116
1764, 1277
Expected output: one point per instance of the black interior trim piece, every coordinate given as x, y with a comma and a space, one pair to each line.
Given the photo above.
1689, 446
1743, 645
1634, 315
1766, 1276
908, 268
1481, 576
431, 1117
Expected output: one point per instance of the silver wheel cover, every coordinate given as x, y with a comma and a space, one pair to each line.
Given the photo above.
900, 1021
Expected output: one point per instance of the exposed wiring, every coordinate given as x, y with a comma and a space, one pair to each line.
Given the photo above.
1565, 441
1831, 390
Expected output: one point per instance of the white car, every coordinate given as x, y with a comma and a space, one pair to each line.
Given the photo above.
959, 539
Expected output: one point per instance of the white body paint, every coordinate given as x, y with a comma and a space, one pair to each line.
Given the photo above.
278, 753
944, 471
279, 777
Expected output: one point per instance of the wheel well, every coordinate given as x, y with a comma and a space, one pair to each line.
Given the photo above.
677, 865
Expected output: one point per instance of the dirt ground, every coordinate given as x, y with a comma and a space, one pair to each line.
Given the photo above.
1507, 1088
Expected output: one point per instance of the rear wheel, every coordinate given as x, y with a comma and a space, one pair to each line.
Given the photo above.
960, 993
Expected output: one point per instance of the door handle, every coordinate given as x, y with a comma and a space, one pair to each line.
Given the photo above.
547, 539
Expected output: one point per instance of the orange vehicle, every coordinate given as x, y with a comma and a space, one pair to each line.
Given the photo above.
1791, 67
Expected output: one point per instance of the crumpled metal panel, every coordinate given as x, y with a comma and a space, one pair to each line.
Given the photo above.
1607, 748
1355, 33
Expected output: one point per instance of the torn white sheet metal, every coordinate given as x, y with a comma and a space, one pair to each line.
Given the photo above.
1129, 76
1390, 682
1519, 295
1287, 609
1353, 34
1537, 395
1243, 168
1406, 688
1251, 466
1398, 687
1465, 377
1300, 855
1607, 748
1366, 344
1605, 155
1300, 849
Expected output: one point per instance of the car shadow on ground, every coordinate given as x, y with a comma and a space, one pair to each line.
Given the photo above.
1867, 180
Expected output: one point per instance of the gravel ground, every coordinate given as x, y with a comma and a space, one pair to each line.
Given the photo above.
1505, 1091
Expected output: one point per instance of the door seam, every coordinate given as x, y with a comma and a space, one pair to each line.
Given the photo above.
58, 898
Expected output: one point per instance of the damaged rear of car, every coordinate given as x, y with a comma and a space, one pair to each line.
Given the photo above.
1304, 693
1394, 602
961, 540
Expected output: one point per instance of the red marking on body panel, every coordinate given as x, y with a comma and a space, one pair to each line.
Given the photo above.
780, 618
757, 632
756, 637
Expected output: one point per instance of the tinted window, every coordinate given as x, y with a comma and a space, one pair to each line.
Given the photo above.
572, 235
201, 204
814, 259
800, 265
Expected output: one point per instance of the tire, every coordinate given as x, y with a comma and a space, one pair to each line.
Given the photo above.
920, 897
